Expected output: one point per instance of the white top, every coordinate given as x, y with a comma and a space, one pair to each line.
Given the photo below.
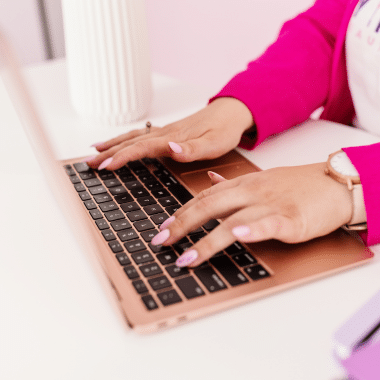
363, 64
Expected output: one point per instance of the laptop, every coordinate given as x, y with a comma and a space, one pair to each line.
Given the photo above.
116, 214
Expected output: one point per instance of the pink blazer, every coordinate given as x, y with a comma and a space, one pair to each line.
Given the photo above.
303, 70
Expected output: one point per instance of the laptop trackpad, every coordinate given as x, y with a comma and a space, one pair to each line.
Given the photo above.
199, 180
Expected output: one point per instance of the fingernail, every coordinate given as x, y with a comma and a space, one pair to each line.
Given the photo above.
175, 147
214, 175
187, 258
96, 144
167, 222
241, 231
105, 163
89, 158
161, 237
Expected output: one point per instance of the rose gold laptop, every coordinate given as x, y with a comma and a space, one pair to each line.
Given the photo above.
116, 214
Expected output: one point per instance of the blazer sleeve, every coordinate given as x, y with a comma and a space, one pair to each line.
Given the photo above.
366, 160
291, 79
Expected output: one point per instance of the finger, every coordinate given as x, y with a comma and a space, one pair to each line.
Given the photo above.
217, 205
215, 178
102, 146
220, 237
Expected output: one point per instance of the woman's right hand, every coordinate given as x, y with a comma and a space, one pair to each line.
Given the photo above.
209, 133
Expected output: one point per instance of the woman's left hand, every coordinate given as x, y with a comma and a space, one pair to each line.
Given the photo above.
291, 204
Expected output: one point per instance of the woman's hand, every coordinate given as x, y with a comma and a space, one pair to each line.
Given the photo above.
207, 134
291, 204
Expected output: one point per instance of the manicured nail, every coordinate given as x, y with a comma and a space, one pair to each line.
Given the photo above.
175, 147
161, 237
216, 176
241, 231
89, 158
105, 163
167, 222
187, 258
96, 144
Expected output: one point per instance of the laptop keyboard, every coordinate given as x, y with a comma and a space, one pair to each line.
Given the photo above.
128, 205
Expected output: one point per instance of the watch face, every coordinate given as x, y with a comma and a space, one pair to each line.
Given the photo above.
342, 164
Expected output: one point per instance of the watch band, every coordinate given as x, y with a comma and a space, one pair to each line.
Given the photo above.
359, 217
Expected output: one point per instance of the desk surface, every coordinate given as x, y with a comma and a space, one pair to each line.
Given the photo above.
56, 321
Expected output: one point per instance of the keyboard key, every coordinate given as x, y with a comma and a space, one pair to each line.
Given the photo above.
131, 272
123, 259
159, 218
175, 271
92, 182
96, 214
167, 201
134, 246
244, 259
196, 237
149, 235
160, 173
112, 182
87, 175
161, 193
122, 170
123, 198
139, 192
147, 177
209, 278
81, 167
79, 187
127, 177
127, 235
149, 302
101, 198
180, 248
97, 190
69, 170
90, 205
169, 297
228, 270
133, 184
136, 165
153, 185
145, 201
120, 225
130, 206
140, 286
197, 231
210, 225
235, 248
115, 246
150, 270
108, 206
181, 193
172, 209
136, 215
105, 174
102, 224
114, 215
189, 287
143, 225
158, 283
257, 272
168, 181
142, 257
153, 209
108, 235
85, 196
117, 190
159, 248
168, 257
75, 179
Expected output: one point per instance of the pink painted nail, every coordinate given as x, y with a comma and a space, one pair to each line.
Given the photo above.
166, 223
89, 158
241, 231
96, 144
187, 258
105, 163
175, 147
215, 175
161, 237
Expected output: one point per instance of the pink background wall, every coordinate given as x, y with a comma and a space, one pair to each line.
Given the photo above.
206, 42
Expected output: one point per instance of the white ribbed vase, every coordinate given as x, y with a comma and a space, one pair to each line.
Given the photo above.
108, 59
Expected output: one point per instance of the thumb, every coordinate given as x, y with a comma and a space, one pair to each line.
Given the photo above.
215, 178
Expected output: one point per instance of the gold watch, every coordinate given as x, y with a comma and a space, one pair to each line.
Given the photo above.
340, 168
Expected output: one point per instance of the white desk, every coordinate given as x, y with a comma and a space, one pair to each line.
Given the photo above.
56, 321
